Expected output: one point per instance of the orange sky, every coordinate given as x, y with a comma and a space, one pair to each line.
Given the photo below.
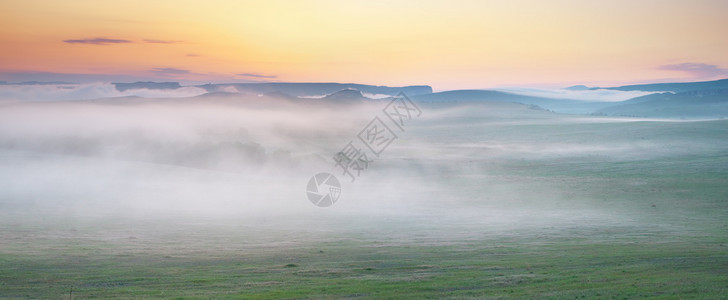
446, 44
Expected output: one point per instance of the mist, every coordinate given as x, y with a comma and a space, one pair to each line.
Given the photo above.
221, 180
246, 156
593, 95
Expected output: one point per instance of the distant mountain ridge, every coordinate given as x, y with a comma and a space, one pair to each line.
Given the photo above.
296, 89
676, 87
300, 89
557, 105
706, 99
708, 104
346, 95
120, 86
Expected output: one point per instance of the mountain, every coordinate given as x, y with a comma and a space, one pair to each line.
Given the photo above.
316, 89
686, 100
577, 88
146, 85
675, 87
707, 104
557, 105
707, 99
346, 95
279, 95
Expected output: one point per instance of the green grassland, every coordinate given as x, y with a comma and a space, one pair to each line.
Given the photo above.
648, 222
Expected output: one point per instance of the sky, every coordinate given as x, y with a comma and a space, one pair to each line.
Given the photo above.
445, 44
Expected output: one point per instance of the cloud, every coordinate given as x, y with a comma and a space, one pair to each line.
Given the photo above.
256, 75
697, 70
169, 71
152, 41
98, 41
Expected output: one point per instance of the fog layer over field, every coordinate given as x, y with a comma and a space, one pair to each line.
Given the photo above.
206, 197
496, 166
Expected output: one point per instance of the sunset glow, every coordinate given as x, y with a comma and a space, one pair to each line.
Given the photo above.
449, 45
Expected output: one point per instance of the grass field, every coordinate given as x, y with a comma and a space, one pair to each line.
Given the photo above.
534, 205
